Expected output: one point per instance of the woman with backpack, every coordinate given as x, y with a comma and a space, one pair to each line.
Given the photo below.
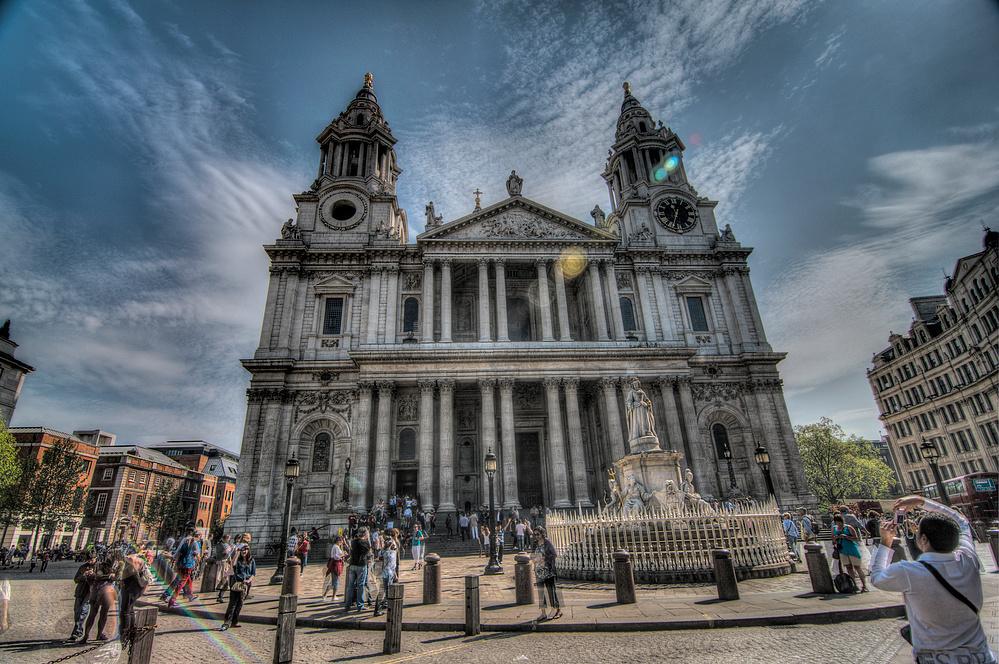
845, 540
243, 571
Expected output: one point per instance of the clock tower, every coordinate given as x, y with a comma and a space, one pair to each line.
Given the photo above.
652, 201
352, 201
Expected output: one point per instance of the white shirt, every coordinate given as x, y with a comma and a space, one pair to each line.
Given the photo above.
336, 553
943, 629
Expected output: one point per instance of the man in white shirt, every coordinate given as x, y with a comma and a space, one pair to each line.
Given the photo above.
944, 629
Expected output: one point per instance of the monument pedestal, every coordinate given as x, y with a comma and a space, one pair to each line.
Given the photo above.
657, 473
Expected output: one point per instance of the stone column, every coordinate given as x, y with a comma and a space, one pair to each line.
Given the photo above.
612, 419
576, 453
699, 463
427, 306
426, 455
615, 298
642, 288
374, 290
597, 296
484, 334
563, 304
556, 445
391, 304
508, 444
288, 309
753, 309
446, 300
446, 451
725, 291
674, 430
665, 303
270, 308
502, 331
360, 446
544, 301
383, 439
487, 386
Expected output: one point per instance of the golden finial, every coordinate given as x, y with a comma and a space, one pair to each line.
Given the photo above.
627, 88
368, 81
478, 201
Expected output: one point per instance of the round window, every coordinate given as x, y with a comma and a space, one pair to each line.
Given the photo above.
343, 210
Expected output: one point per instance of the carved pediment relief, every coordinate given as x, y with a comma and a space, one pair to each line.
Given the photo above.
520, 221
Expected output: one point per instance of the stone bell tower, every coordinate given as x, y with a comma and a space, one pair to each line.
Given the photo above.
352, 201
652, 201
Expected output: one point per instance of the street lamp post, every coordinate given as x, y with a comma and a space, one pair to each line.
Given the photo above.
346, 481
727, 455
490, 466
763, 461
931, 453
290, 474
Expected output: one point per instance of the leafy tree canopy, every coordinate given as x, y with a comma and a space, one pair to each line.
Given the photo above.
10, 469
839, 466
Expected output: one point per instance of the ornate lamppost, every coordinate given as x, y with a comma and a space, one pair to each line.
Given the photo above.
727, 455
346, 481
490, 467
931, 453
290, 475
763, 461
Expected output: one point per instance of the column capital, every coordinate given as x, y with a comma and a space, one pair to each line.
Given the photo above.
390, 268
542, 261
664, 383
446, 262
571, 383
446, 385
487, 384
428, 262
483, 262
366, 386
426, 384
500, 262
552, 383
608, 383
506, 384
683, 381
386, 386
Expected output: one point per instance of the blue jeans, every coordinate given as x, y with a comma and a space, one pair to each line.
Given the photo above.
357, 580
81, 609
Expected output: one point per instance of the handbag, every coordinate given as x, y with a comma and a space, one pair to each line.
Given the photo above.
843, 582
237, 586
906, 630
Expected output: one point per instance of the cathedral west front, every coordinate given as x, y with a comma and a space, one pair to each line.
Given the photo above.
516, 329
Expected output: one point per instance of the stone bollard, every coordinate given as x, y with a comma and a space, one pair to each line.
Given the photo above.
624, 577
208, 577
284, 637
432, 579
292, 576
728, 585
523, 578
818, 569
473, 624
393, 620
994, 545
145, 628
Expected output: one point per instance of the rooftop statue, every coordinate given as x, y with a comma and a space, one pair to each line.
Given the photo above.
514, 184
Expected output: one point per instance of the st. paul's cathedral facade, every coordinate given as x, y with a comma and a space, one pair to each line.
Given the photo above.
515, 329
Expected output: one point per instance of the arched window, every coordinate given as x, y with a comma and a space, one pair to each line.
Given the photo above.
410, 314
720, 435
628, 314
407, 445
321, 453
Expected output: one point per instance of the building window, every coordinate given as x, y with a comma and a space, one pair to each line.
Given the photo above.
125, 503
407, 445
138, 504
142, 478
321, 453
628, 314
698, 319
410, 314
108, 475
102, 504
333, 315
131, 476
720, 435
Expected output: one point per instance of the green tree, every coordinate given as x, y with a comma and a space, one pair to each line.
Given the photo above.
10, 469
49, 489
839, 466
164, 512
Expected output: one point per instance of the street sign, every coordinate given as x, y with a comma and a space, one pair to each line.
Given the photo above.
985, 484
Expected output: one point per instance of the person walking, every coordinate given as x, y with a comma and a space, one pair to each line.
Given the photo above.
417, 544
545, 573
845, 540
791, 534
389, 555
223, 565
808, 529
302, 552
81, 597
357, 571
463, 526
243, 571
334, 567
942, 590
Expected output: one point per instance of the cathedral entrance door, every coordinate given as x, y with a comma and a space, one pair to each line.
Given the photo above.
405, 483
529, 480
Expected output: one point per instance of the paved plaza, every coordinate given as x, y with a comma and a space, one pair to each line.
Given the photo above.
776, 620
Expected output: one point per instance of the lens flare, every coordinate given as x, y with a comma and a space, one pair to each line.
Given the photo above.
672, 163
662, 171
572, 262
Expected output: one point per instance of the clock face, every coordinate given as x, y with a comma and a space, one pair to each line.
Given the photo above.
675, 213
342, 210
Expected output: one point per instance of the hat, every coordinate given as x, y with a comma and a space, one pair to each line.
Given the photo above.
246, 537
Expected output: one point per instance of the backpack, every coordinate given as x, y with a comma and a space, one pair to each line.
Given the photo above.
843, 582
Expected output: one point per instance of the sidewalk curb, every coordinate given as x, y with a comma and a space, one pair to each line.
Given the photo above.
811, 618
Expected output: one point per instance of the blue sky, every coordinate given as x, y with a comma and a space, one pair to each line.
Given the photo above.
148, 150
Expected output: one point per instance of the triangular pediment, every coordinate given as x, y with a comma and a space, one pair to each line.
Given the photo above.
334, 284
692, 284
518, 219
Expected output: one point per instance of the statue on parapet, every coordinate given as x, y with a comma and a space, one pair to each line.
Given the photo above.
641, 422
433, 221
290, 231
599, 218
514, 183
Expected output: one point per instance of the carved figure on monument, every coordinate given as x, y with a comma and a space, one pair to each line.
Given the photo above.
599, 218
514, 184
672, 498
432, 220
641, 422
615, 502
727, 235
687, 486
635, 496
289, 231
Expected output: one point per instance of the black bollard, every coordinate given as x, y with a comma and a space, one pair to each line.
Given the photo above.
728, 585
393, 620
624, 577
473, 624
818, 569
